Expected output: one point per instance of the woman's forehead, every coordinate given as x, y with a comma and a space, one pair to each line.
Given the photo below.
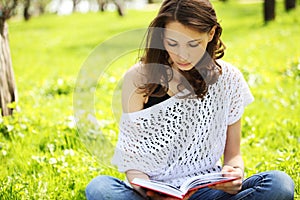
177, 31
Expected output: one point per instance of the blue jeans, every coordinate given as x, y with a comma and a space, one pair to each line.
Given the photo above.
272, 185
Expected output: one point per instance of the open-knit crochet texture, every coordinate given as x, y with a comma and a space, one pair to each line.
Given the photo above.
182, 137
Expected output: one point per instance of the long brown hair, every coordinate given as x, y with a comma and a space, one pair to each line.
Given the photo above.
198, 15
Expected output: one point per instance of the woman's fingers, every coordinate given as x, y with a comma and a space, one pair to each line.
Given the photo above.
232, 187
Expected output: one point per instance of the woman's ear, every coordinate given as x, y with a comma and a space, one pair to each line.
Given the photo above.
211, 33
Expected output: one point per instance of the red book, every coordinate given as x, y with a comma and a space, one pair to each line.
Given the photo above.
190, 184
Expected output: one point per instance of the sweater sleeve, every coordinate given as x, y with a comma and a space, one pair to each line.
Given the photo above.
240, 96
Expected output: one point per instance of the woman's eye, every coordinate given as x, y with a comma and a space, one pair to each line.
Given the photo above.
172, 44
194, 44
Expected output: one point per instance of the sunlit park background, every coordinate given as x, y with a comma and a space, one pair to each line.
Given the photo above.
43, 153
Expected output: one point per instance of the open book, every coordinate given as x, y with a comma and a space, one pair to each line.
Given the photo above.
192, 183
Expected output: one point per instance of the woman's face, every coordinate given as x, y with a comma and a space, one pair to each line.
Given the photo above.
185, 46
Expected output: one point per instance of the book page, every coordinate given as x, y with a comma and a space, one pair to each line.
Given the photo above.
158, 187
205, 180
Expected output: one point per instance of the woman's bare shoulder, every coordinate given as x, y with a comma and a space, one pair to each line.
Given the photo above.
136, 74
132, 98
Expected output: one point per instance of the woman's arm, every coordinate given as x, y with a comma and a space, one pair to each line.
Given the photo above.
232, 153
131, 174
233, 162
132, 99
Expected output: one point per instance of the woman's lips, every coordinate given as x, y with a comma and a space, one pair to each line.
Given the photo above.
183, 64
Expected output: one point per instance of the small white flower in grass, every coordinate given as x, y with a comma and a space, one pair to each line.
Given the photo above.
69, 152
9, 128
92, 169
60, 81
38, 158
21, 135
51, 147
112, 79
52, 161
4, 153
65, 164
61, 159
71, 122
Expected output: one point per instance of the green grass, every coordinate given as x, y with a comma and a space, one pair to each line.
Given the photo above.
41, 153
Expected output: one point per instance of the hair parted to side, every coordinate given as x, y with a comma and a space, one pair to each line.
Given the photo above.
198, 15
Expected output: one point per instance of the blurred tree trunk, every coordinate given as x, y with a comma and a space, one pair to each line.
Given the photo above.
26, 10
42, 4
8, 92
101, 4
269, 10
289, 4
120, 8
41, 9
7, 81
75, 3
118, 4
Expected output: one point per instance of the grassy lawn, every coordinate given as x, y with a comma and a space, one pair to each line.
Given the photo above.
41, 153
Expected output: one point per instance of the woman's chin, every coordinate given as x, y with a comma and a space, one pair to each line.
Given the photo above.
185, 67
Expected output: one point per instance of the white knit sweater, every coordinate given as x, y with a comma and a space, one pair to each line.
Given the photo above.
182, 137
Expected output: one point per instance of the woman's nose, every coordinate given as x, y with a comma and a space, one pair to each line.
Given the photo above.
183, 54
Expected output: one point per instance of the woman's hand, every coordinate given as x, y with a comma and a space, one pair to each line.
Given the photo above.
231, 187
156, 196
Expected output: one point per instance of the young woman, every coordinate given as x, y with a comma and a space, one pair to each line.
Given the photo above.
182, 109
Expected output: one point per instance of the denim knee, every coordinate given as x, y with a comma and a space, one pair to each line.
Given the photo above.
110, 188
96, 186
282, 184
